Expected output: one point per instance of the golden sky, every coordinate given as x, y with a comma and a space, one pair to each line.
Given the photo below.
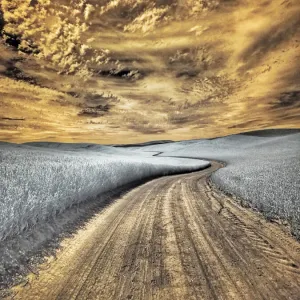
125, 71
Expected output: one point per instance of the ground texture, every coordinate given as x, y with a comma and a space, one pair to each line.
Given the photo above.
172, 238
262, 168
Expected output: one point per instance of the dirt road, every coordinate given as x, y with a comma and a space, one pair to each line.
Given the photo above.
171, 239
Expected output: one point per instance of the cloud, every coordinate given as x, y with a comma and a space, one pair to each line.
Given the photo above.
146, 128
55, 29
269, 37
188, 68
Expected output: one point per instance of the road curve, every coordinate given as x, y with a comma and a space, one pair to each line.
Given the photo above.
172, 238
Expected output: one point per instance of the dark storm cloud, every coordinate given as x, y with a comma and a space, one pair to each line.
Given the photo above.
123, 73
33, 2
141, 128
1, 21
245, 124
92, 100
96, 105
98, 111
12, 119
181, 118
14, 72
288, 99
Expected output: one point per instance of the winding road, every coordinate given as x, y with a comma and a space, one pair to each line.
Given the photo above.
174, 237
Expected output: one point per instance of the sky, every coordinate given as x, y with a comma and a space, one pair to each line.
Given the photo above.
126, 71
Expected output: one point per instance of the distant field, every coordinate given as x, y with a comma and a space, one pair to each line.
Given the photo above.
262, 169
